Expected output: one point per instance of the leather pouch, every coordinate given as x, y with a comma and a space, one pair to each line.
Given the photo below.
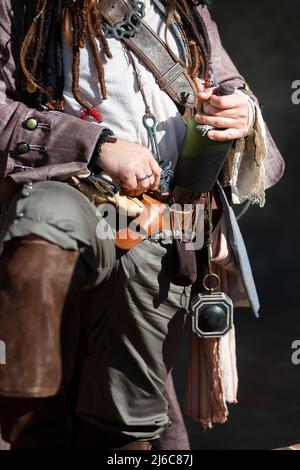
181, 264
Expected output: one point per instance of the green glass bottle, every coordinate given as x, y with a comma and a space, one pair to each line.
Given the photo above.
201, 159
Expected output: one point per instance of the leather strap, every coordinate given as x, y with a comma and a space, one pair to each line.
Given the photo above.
171, 75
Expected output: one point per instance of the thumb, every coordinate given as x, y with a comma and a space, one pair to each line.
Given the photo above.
206, 94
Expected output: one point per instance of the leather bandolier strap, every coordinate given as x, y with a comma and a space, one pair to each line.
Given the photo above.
170, 73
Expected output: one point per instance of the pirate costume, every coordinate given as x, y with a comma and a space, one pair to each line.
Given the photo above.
71, 304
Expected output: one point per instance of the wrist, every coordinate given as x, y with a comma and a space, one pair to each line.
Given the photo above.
251, 111
106, 136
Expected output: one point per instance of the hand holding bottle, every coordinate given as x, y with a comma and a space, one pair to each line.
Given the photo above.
230, 113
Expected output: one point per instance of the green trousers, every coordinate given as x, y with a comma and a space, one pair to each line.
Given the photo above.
135, 315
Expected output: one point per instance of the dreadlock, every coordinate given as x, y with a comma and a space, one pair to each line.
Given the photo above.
82, 24
199, 42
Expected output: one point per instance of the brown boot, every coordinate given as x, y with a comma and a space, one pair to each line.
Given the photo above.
40, 289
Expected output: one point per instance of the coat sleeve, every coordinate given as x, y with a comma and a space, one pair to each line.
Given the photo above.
225, 71
62, 144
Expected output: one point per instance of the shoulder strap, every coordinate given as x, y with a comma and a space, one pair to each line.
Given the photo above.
171, 75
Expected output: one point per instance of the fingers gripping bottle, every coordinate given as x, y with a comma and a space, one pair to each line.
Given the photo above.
201, 159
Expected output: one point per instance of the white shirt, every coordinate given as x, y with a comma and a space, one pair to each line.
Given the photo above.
124, 107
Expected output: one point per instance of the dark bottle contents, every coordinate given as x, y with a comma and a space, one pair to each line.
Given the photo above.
201, 159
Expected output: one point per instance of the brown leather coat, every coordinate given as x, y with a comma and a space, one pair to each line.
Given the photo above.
67, 143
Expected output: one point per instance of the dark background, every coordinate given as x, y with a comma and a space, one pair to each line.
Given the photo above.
263, 39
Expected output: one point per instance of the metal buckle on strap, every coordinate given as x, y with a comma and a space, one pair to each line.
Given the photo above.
170, 76
124, 20
130, 26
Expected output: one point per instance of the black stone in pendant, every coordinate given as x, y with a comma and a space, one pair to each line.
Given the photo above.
212, 318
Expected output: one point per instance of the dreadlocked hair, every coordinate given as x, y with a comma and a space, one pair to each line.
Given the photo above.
199, 43
81, 22
34, 46
87, 26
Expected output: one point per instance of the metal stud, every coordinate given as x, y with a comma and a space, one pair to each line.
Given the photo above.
25, 193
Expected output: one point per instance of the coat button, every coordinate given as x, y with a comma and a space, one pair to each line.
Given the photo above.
31, 123
25, 193
19, 215
26, 190
23, 148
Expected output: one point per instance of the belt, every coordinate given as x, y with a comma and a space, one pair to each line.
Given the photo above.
158, 221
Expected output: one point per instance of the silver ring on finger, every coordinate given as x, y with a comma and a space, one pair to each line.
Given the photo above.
146, 177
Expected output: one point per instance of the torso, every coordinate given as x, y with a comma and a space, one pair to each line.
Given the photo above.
124, 108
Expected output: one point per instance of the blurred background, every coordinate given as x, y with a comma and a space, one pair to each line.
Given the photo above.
263, 39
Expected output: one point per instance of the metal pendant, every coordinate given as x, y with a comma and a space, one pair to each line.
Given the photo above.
212, 315
212, 312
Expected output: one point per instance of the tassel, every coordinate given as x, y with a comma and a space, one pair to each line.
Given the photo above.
91, 112
56, 105
212, 379
212, 373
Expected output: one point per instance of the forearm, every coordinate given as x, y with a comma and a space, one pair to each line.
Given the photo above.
59, 145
